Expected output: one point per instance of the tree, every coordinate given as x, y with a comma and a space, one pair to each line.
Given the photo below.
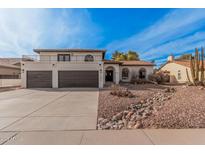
116, 54
132, 55
120, 56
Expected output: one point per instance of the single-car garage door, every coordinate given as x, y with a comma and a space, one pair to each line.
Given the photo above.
39, 79
77, 79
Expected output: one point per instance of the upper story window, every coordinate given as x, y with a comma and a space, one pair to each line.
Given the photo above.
63, 57
89, 58
125, 73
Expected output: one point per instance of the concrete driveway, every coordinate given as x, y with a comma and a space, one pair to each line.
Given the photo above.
48, 109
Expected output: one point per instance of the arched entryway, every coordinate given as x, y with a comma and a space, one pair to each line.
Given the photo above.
142, 73
109, 74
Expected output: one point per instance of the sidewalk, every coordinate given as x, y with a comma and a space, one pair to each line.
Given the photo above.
145, 136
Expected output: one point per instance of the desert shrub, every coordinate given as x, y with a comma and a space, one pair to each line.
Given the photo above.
135, 80
159, 77
116, 90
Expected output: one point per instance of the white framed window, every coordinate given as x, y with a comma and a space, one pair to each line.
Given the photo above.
142, 73
89, 58
125, 73
179, 75
63, 57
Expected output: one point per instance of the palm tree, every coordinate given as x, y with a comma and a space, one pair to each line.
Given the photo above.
116, 54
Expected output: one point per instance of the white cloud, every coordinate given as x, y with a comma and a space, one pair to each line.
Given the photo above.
21, 30
172, 33
178, 46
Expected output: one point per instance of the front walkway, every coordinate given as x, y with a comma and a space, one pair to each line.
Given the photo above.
157, 136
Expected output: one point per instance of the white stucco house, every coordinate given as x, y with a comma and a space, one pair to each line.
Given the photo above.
60, 68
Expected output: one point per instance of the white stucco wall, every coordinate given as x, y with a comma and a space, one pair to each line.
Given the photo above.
74, 56
134, 71
116, 73
57, 66
10, 82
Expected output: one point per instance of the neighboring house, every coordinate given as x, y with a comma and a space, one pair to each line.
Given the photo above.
10, 68
177, 70
59, 68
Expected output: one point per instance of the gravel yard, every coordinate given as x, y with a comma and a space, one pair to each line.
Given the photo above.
184, 108
110, 105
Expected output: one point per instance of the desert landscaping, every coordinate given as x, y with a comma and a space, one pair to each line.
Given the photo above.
151, 106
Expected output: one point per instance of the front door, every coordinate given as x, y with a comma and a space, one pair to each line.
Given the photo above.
109, 75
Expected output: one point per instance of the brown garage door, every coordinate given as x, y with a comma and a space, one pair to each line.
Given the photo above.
39, 79
77, 79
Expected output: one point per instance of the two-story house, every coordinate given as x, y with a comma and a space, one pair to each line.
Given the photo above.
61, 68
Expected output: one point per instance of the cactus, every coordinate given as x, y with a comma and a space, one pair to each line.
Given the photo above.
188, 75
192, 69
195, 63
202, 65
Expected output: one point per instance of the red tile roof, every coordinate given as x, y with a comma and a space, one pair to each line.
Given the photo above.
184, 63
137, 63
129, 63
111, 62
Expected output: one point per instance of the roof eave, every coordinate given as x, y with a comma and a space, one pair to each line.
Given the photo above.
137, 65
69, 50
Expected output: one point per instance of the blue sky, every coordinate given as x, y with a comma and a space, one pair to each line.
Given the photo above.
153, 33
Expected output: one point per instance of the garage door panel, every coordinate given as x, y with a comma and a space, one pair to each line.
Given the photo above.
39, 79
78, 79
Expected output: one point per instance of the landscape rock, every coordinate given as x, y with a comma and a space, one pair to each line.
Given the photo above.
125, 112
138, 125
125, 122
104, 121
130, 124
129, 115
100, 120
117, 116
134, 115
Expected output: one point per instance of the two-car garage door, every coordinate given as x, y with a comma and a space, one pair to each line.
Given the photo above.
77, 79
43, 79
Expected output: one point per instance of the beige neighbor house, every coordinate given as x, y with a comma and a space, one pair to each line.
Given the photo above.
10, 68
177, 70
59, 68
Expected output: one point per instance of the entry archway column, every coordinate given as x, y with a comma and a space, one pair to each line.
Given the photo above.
117, 77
